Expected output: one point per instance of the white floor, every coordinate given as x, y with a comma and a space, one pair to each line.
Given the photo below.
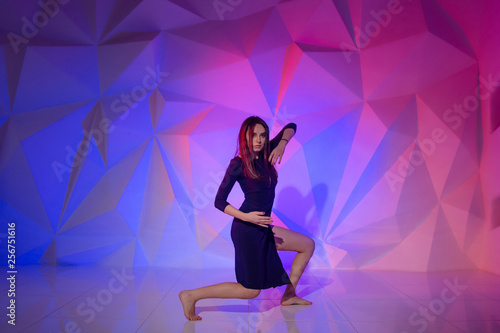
92, 299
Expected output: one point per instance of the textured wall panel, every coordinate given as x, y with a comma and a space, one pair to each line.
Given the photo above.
118, 119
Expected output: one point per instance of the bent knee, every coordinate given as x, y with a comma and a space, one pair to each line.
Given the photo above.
311, 245
252, 293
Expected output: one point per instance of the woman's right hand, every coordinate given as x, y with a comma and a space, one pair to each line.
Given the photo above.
259, 219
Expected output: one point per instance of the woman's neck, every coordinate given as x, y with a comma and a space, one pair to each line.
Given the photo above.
255, 158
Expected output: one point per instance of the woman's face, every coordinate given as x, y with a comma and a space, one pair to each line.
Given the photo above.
259, 138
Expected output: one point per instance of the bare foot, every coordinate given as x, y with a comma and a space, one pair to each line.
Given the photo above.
188, 303
294, 300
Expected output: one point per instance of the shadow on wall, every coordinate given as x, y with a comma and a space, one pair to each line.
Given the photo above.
301, 208
494, 112
495, 123
495, 213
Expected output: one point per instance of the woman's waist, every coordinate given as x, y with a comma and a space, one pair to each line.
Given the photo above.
248, 207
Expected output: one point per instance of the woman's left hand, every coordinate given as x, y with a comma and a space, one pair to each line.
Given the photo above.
277, 153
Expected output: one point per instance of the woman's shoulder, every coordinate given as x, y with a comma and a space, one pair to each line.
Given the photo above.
236, 164
237, 159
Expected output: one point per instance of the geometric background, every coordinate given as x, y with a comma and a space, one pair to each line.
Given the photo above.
119, 118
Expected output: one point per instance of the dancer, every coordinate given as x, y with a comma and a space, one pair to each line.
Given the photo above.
255, 239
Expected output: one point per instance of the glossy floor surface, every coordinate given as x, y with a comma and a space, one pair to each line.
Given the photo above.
92, 299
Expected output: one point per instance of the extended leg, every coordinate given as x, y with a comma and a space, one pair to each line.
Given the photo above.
288, 240
221, 290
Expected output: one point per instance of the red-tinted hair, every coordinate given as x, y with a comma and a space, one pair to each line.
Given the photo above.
245, 149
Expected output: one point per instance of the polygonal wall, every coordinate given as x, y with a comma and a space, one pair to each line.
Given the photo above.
118, 119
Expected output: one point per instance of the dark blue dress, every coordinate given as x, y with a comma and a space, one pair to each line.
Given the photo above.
257, 265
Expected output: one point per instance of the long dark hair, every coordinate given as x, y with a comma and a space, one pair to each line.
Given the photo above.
245, 149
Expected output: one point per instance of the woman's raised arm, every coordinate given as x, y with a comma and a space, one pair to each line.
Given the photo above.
279, 142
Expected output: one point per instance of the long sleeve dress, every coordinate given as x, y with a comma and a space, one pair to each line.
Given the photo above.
257, 263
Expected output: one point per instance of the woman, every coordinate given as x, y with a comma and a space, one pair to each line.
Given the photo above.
255, 239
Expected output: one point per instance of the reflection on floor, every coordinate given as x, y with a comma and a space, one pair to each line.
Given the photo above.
92, 299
